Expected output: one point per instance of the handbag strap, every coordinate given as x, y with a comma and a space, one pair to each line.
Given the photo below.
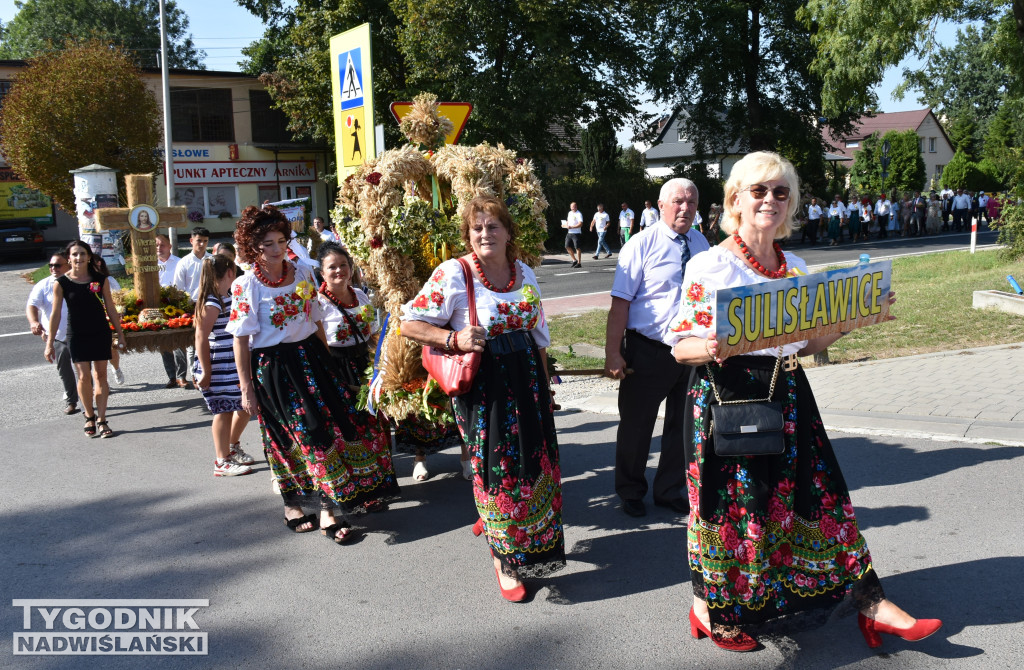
771, 389
470, 292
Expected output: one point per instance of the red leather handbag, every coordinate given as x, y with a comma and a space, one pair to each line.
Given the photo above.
454, 372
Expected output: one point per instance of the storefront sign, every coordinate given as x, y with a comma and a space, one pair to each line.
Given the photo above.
18, 201
763, 316
244, 172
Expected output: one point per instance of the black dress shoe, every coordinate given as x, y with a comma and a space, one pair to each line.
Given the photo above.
634, 507
679, 505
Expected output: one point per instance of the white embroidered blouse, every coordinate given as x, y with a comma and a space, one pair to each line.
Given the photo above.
443, 302
271, 316
705, 274
339, 331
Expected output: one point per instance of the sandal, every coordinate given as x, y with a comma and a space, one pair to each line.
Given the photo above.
294, 524
90, 426
331, 532
105, 430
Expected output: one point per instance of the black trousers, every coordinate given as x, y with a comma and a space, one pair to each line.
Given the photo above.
66, 371
656, 377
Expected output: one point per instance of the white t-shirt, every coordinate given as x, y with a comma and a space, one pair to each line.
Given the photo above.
601, 221
837, 209
188, 272
626, 219
649, 217
443, 302
167, 269
41, 297
705, 274
814, 212
575, 221
962, 201
882, 207
270, 316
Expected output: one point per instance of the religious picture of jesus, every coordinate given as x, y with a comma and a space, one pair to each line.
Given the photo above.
143, 218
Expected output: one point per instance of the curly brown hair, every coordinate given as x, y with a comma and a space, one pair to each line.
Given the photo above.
488, 204
254, 225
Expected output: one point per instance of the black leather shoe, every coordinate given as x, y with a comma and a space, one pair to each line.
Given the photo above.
634, 507
679, 505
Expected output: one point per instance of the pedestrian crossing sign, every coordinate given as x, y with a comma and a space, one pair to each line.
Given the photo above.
352, 99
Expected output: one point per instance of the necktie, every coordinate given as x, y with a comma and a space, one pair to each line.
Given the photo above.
686, 255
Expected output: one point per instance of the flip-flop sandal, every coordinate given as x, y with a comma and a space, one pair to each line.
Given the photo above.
105, 430
90, 431
294, 524
331, 532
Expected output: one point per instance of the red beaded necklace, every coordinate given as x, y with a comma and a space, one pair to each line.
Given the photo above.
263, 278
338, 303
489, 285
777, 274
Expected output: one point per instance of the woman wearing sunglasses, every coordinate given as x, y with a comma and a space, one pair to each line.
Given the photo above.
769, 536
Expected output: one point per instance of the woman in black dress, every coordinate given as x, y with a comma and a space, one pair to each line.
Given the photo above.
90, 304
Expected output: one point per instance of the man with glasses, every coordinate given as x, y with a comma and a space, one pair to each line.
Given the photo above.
38, 310
645, 296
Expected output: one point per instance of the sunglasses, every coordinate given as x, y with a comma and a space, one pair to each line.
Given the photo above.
759, 191
56, 265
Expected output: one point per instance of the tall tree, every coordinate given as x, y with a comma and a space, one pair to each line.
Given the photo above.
599, 149
133, 25
93, 99
741, 69
856, 41
523, 64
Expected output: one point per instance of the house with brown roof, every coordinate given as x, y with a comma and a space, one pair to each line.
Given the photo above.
933, 143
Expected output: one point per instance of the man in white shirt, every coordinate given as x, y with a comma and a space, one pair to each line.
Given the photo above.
625, 224
574, 224
983, 208
37, 311
882, 210
814, 213
600, 224
961, 210
186, 274
174, 362
326, 234
645, 296
650, 216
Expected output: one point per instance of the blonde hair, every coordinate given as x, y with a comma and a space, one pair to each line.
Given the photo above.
755, 168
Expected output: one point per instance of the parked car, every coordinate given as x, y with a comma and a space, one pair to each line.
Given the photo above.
22, 239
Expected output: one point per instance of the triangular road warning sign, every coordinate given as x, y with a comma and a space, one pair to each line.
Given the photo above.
457, 112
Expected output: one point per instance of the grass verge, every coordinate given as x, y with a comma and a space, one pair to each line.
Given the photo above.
933, 312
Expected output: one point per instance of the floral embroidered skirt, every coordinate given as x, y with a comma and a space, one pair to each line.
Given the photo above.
771, 536
507, 421
413, 435
352, 362
318, 445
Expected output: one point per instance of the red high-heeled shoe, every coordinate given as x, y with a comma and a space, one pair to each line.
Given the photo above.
478, 527
741, 642
516, 594
919, 631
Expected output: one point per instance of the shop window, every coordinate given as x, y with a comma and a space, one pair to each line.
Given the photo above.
210, 202
202, 115
269, 125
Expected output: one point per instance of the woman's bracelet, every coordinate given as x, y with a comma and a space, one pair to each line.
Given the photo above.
448, 341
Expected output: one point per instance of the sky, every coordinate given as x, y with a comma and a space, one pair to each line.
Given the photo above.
221, 28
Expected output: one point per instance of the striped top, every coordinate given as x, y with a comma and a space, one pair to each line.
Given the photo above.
223, 376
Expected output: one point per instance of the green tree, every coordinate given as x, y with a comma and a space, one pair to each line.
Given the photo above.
599, 149
959, 172
92, 98
856, 41
133, 25
524, 65
866, 171
742, 72
906, 167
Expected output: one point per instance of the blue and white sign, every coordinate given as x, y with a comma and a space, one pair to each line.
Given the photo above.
350, 65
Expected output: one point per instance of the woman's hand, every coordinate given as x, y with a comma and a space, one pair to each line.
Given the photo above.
892, 301
471, 338
249, 405
48, 353
121, 344
203, 382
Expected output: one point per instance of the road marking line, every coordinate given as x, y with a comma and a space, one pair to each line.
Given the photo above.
27, 332
566, 274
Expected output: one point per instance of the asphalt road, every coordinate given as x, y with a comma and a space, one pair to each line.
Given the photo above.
558, 280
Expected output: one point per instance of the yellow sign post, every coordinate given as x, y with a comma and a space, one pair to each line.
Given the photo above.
352, 93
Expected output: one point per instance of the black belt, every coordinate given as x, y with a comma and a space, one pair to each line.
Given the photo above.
647, 339
507, 343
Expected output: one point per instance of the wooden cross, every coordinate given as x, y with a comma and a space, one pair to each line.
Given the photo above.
139, 189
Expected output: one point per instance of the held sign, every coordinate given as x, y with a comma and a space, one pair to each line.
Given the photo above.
770, 314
